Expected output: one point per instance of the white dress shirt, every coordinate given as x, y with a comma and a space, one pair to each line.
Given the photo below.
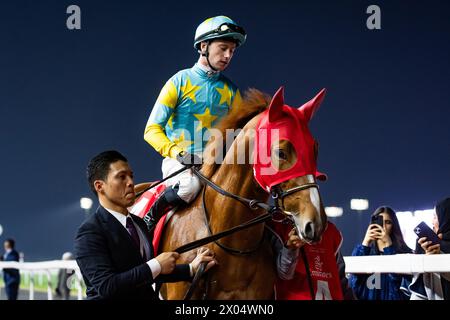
153, 264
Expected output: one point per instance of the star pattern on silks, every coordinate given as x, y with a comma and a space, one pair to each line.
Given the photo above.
168, 95
225, 94
188, 90
169, 122
206, 119
181, 142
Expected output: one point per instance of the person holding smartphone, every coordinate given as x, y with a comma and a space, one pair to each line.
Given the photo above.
434, 286
383, 237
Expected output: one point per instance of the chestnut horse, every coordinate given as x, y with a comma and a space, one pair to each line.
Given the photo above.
251, 274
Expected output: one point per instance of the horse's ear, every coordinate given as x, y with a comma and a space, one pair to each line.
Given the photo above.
309, 108
276, 105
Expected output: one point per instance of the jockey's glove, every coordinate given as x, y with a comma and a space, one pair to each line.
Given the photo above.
189, 159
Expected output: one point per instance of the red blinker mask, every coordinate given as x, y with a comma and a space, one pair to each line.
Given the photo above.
281, 122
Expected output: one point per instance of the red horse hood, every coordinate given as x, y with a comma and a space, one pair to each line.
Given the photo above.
281, 122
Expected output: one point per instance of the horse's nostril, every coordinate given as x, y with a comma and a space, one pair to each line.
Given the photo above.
309, 230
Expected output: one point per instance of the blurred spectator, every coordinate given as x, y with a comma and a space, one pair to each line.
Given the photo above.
11, 277
63, 288
381, 239
431, 285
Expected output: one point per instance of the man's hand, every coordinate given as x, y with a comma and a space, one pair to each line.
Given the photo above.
167, 261
189, 159
294, 240
203, 255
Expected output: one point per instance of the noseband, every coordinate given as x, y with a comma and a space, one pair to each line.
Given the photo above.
278, 194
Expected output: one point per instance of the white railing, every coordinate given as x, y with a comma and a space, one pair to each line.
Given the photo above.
399, 263
45, 267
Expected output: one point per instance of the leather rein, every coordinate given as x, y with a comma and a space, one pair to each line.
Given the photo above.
277, 195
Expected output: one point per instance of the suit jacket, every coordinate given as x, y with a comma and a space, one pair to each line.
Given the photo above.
111, 264
11, 276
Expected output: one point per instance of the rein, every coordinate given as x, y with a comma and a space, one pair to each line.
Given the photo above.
308, 273
251, 203
159, 182
277, 194
225, 248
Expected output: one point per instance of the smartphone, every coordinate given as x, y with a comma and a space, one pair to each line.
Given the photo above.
423, 230
378, 220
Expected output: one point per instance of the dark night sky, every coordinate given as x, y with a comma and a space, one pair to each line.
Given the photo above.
67, 95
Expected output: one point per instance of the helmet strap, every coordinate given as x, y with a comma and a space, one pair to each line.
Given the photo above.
206, 55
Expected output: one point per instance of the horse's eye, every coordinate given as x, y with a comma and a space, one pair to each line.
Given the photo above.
281, 154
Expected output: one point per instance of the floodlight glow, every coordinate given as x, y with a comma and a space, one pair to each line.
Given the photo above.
333, 212
359, 204
1, 230
408, 220
86, 203
426, 212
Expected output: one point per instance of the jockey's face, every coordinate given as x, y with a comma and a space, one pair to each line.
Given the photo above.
117, 191
220, 53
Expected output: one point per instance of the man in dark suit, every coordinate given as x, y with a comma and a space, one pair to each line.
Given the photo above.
11, 277
113, 248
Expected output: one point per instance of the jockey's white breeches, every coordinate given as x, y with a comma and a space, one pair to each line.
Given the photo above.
189, 184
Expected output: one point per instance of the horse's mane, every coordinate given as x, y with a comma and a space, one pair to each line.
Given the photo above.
242, 110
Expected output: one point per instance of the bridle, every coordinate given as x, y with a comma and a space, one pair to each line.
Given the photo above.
277, 194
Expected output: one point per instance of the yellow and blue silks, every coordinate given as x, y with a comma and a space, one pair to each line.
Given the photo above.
189, 104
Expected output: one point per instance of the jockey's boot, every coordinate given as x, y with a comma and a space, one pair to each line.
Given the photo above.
166, 202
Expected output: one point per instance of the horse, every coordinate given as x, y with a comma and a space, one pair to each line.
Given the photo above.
246, 266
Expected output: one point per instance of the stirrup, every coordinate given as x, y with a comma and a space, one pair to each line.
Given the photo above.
168, 200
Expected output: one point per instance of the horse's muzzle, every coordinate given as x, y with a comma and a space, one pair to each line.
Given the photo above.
310, 232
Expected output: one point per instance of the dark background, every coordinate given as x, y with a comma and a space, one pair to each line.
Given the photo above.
66, 95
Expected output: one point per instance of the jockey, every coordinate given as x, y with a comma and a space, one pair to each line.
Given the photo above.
191, 102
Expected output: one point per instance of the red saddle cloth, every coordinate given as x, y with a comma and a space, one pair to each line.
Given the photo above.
143, 205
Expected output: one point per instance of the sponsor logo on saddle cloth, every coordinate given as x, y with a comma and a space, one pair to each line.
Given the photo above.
282, 122
317, 270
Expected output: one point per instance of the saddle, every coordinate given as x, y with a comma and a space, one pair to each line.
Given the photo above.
142, 206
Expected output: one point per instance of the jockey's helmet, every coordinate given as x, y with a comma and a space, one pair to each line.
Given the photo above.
219, 27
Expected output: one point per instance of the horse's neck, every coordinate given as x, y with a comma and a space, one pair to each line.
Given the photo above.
238, 179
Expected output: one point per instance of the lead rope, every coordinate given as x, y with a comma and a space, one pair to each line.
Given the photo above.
308, 273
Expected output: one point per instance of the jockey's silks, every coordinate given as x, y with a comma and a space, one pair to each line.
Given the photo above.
190, 103
282, 122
